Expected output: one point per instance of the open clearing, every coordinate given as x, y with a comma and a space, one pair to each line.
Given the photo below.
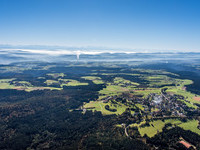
157, 126
21, 85
100, 106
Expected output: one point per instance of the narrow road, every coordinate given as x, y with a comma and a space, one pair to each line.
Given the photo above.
101, 107
126, 132
164, 95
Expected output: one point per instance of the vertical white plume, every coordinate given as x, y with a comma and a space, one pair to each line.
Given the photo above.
78, 54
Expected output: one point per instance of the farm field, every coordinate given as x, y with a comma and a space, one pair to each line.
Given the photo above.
100, 106
120, 85
157, 126
14, 83
21, 85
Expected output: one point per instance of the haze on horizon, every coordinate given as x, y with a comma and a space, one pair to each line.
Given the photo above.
129, 24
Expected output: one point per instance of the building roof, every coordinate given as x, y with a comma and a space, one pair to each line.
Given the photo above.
185, 144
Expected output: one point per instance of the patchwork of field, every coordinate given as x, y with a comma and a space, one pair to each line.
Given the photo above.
155, 84
65, 82
21, 85
111, 90
51, 82
117, 87
56, 83
157, 126
147, 91
5, 83
179, 88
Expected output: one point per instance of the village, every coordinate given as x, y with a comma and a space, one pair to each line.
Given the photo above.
166, 106
162, 106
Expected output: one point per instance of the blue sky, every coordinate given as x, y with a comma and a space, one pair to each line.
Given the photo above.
144, 24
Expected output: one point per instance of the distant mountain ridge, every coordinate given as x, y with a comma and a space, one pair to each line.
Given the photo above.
10, 54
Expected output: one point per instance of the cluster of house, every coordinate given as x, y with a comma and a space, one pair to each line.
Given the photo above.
158, 105
164, 105
106, 99
167, 105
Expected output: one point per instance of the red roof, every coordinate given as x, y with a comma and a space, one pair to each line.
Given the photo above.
185, 144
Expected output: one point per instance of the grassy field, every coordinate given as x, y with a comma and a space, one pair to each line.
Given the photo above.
115, 88
29, 89
51, 82
180, 90
154, 128
27, 86
100, 106
112, 90
190, 125
147, 91
160, 80
21, 85
140, 106
157, 126
94, 79
123, 82
5, 83
137, 125
118, 86
65, 82
188, 95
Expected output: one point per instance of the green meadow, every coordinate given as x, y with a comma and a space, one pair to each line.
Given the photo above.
100, 106
21, 85
157, 126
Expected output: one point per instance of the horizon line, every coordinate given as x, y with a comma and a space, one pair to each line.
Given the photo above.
89, 47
